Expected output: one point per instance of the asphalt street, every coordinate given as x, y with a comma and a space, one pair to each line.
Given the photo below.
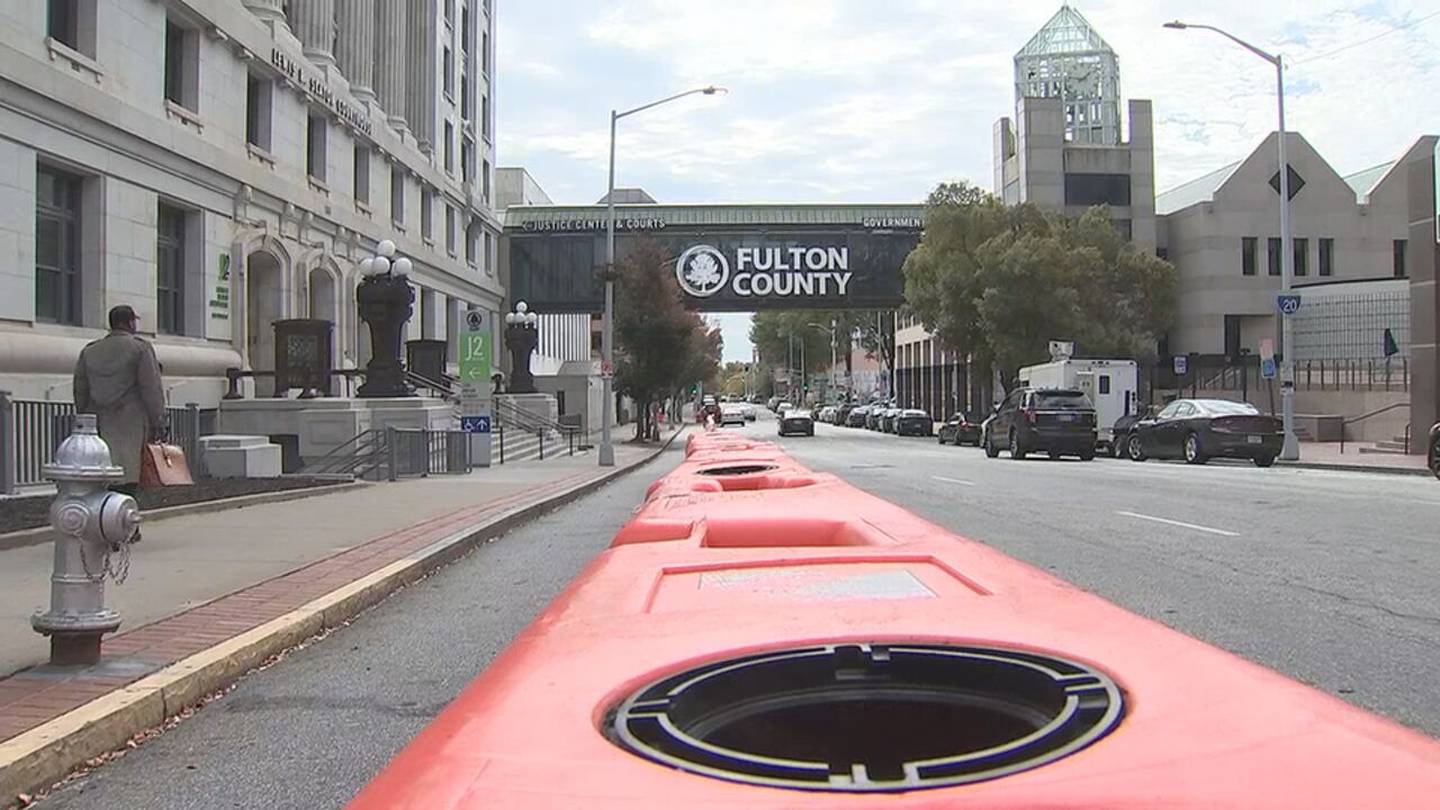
1328, 577
1332, 578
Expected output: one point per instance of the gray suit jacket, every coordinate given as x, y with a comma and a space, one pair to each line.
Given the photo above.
117, 378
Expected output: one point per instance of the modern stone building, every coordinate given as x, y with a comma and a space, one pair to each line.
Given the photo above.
1065, 151
223, 164
1221, 231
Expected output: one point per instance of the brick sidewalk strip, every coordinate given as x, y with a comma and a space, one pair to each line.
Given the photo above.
34, 697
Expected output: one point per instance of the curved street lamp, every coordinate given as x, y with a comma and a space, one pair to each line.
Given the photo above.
1290, 451
607, 333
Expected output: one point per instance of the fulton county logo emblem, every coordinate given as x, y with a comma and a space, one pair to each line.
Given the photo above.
702, 271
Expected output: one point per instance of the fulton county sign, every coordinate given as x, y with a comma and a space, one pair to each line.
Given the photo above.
704, 270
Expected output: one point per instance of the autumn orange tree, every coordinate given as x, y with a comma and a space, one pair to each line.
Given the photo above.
662, 348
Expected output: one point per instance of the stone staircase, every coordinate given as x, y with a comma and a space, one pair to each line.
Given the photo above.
1395, 445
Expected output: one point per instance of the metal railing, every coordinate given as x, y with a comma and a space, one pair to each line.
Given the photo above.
1347, 422
31, 430
421, 452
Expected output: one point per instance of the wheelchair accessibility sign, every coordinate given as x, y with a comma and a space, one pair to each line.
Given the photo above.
475, 424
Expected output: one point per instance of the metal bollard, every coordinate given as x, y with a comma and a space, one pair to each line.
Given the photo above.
91, 524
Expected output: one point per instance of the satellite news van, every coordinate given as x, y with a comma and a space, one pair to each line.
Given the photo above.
1112, 385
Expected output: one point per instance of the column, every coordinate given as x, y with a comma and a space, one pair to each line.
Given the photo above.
269, 11
389, 51
420, 91
313, 22
355, 47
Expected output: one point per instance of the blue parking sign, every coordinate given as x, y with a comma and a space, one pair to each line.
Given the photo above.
475, 424
1267, 368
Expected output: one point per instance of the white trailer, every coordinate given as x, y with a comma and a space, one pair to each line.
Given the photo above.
1113, 385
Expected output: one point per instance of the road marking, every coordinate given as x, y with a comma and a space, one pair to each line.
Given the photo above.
953, 480
1179, 523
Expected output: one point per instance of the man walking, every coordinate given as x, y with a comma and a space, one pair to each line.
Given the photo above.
117, 378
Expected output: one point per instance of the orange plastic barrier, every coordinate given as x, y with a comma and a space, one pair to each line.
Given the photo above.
813, 646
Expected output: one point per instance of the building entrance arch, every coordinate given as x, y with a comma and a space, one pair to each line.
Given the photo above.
264, 305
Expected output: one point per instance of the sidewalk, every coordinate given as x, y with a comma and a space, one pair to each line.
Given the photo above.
1327, 456
219, 592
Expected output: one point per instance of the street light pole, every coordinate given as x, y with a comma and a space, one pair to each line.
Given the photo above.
1290, 450
607, 331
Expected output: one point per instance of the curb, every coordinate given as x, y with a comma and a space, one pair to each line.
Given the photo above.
42, 534
1314, 465
46, 754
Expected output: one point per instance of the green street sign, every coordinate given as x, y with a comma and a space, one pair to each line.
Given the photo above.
474, 348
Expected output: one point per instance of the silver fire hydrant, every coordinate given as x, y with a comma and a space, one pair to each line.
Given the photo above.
91, 524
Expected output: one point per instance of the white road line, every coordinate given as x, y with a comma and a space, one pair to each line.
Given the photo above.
953, 480
1179, 523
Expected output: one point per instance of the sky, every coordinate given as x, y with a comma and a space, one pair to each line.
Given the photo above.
870, 101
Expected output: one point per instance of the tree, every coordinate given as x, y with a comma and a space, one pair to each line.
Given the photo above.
999, 283
663, 348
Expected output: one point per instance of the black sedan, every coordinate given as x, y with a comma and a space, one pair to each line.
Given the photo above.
1124, 426
797, 422
857, 416
1433, 454
1198, 430
914, 422
960, 429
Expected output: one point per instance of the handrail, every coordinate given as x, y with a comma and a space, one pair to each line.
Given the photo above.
336, 460
1347, 422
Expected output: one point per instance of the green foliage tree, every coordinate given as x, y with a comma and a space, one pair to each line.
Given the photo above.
1000, 282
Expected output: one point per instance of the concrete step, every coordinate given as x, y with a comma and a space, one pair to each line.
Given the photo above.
1386, 449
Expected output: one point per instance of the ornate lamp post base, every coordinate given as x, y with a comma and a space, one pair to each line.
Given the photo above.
386, 303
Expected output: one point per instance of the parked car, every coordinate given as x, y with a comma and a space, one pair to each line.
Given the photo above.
827, 414
710, 409
783, 407
772, 403
914, 422
731, 414
888, 419
842, 413
798, 421
857, 416
872, 417
1057, 421
1433, 454
959, 429
1120, 443
748, 411
1198, 430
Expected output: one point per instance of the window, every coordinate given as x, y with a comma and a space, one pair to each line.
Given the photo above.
63, 23
1162, 253
397, 195
316, 132
1104, 384
170, 270
1232, 337
449, 12
465, 37
465, 104
427, 206
485, 52
449, 148
257, 111
362, 174
450, 228
1273, 255
467, 159
472, 242
1400, 270
485, 254
485, 183
1097, 189
1302, 257
1327, 257
449, 77
485, 117
1247, 255
57, 246
182, 66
